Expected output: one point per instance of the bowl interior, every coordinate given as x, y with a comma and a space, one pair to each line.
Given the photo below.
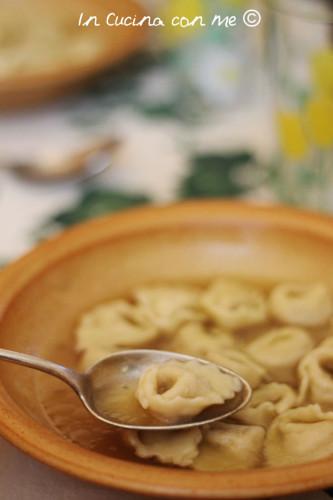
98, 261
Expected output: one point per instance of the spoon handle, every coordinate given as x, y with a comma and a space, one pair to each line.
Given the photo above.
71, 377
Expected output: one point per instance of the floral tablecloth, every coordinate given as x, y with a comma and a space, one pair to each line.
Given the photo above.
156, 152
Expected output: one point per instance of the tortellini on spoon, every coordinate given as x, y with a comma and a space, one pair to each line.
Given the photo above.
178, 390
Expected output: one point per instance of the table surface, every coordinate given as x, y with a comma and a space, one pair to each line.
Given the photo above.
23, 478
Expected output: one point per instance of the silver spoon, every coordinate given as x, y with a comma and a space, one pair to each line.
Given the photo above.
124, 368
81, 166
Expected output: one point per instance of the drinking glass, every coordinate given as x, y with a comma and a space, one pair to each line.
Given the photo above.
300, 49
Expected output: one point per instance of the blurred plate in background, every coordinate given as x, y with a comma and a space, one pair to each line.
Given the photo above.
44, 53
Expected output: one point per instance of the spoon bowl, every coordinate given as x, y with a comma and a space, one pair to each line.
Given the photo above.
126, 367
78, 167
122, 370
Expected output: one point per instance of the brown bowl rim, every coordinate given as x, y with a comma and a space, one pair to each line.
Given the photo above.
31, 437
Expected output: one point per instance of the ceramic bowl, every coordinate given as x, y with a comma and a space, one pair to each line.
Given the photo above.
35, 87
42, 295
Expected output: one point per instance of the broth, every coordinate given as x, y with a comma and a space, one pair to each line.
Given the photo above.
68, 417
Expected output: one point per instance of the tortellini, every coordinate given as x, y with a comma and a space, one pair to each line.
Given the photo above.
240, 363
280, 350
168, 306
230, 447
197, 339
234, 305
308, 305
110, 327
316, 376
176, 390
267, 402
269, 337
299, 435
168, 447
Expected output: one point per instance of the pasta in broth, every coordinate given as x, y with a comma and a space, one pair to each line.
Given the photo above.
316, 376
112, 326
300, 435
198, 339
280, 351
268, 336
267, 402
168, 447
230, 447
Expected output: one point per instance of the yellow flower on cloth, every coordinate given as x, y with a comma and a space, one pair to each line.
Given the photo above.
322, 71
319, 120
292, 135
175, 11
234, 3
